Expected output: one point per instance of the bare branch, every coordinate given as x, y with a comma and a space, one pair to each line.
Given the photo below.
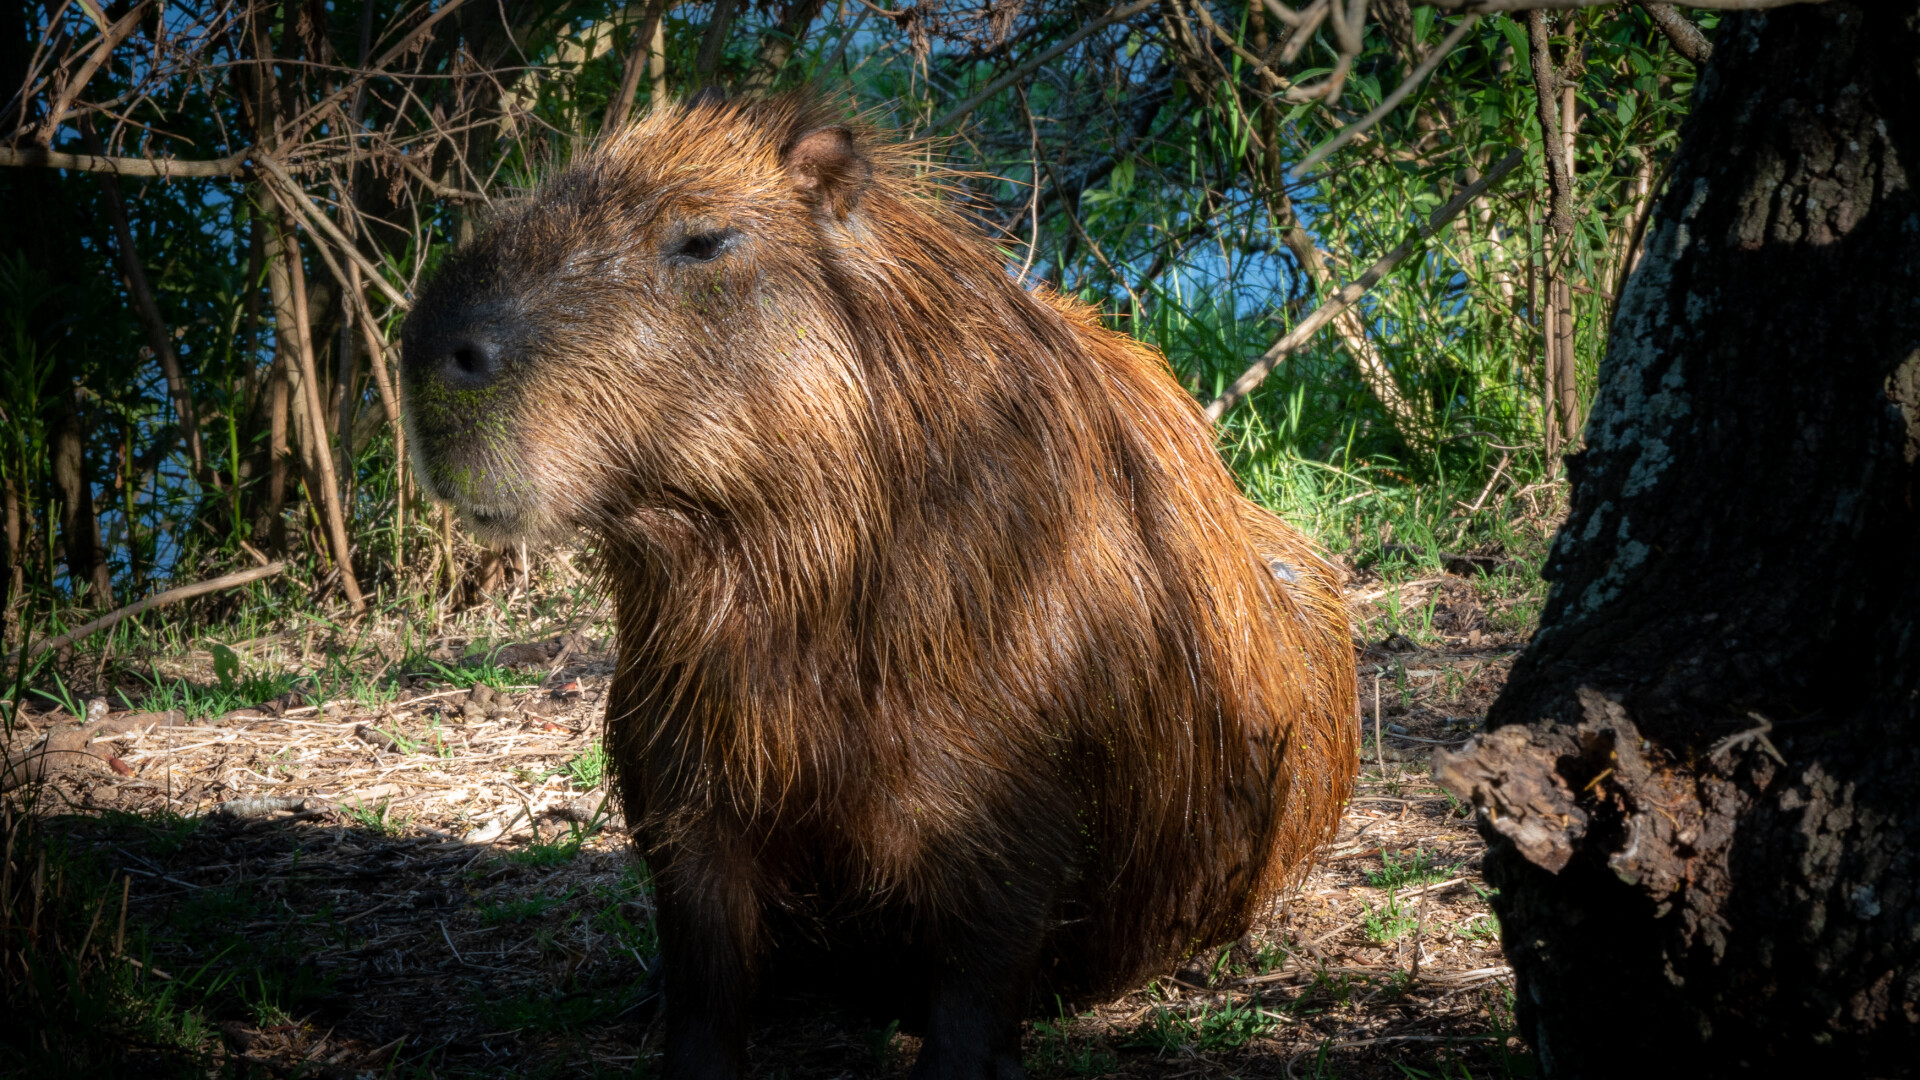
1687, 39
1028, 67
232, 166
378, 67
1284, 13
1354, 290
102, 50
1391, 102
637, 57
311, 215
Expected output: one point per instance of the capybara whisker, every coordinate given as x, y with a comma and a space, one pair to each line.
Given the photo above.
952, 662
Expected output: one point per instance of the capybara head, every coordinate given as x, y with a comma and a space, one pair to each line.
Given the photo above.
946, 638
635, 337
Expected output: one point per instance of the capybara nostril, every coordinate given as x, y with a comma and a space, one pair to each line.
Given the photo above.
471, 361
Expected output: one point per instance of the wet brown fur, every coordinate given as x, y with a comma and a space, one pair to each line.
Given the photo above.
942, 627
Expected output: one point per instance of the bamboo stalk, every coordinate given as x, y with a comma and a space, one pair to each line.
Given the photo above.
1559, 392
319, 454
639, 57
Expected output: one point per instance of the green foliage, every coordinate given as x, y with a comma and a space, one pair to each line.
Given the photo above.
226, 666
1483, 928
1402, 871
1208, 1028
476, 671
1268, 958
1062, 1053
577, 1009
1390, 921
160, 831
78, 994
199, 701
588, 769
374, 820
541, 853
519, 909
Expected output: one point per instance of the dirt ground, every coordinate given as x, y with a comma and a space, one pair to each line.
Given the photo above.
429, 885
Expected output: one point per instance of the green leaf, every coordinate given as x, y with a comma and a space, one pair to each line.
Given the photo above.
1516, 37
226, 665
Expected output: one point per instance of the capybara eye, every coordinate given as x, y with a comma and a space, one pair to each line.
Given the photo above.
703, 247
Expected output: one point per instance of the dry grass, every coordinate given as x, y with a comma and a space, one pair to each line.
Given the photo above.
433, 888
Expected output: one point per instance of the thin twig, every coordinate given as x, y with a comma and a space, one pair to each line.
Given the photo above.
1033, 200
109, 40
1392, 101
1028, 67
313, 216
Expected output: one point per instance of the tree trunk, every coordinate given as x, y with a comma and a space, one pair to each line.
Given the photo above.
1701, 786
79, 527
713, 47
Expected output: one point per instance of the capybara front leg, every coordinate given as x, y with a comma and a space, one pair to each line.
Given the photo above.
973, 1017
709, 923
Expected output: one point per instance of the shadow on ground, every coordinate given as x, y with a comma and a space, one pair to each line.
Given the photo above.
430, 885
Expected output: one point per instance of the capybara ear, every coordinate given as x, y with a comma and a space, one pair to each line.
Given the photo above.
709, 97
828, 169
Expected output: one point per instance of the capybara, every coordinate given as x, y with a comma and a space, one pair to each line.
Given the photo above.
945, 637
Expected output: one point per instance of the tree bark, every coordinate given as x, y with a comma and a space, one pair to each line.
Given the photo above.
713, 46
1686, 38
1701, 785
73, 486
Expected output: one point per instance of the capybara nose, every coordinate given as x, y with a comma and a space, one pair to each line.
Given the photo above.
469, 361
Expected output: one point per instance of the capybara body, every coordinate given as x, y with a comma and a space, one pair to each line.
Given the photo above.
944, 634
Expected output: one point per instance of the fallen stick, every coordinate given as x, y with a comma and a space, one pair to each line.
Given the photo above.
162, 599
33, 763
259, 806
1354, 290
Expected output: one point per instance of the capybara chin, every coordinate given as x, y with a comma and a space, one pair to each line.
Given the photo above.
944, 634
